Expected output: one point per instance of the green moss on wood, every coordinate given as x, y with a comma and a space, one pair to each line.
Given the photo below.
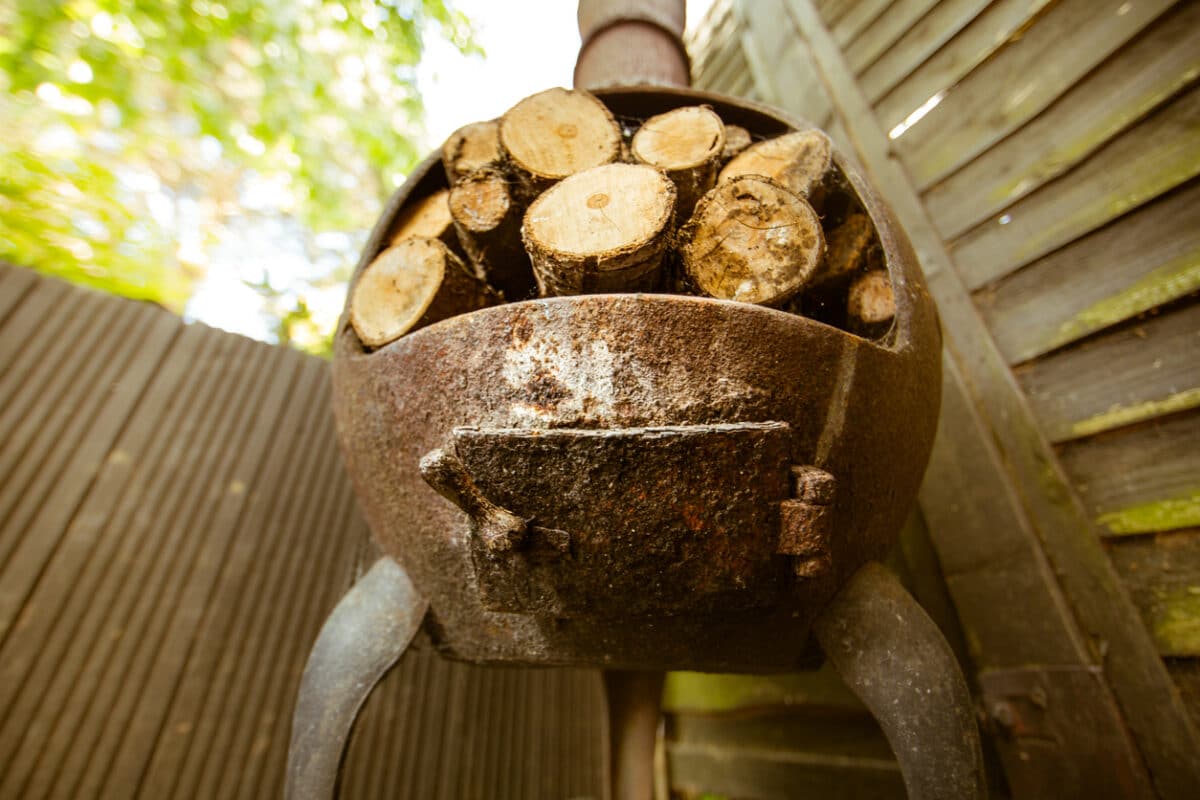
1126, 415
1159, 515
695, 691
1176, 622
1176, 278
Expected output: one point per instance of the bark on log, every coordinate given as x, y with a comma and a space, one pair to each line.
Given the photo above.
870, 305
556, 133
737, 139
428, 217
686, 144
603, 230
848, 249
802, 161
470, 149
489, 229
410, 285
752, 240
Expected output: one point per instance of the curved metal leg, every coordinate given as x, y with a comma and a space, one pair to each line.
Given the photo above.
366, 634
634, 699
892, 655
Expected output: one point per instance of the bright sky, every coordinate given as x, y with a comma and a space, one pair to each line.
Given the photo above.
531, 45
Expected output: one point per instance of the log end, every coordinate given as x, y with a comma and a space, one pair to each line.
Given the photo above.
871, 304
559, 132
800, 161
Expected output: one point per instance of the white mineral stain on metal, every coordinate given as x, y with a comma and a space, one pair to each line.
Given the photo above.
565, 380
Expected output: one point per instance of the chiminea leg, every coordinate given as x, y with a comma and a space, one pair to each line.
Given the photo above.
892, 655
365, 635
634, 699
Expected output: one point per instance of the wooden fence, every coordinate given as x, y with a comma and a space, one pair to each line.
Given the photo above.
175, 524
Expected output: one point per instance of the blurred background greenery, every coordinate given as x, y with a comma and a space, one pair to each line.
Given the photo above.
143, 138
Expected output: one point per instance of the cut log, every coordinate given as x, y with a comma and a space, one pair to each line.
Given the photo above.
802, 161
685, 143
603, 230
737, 139
871, 305
849, 246
752, 240
556, 133
489, 229
410, 285
428, 217
470, 149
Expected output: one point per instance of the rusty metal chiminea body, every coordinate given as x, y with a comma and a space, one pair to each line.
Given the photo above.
645, 482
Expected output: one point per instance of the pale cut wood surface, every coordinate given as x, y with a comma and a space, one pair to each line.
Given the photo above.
1145, 161
1162, 573
916, 44
1148, 368
1002, 93
161, 512
973, 45
428, 217
558, 132
1140, 479
884, 32
1130, 84
472, 148
1137, 262
800, 161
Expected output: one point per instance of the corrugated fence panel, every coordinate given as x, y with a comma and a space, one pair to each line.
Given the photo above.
175, 525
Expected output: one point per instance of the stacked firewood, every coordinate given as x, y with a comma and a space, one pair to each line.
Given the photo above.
558, 197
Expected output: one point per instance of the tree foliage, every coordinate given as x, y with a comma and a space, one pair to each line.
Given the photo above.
125, 118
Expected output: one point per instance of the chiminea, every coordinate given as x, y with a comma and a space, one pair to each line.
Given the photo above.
645, 482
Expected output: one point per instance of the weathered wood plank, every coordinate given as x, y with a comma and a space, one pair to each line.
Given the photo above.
1138, 262
860, 15
884, 32
787, 69
1148, 699
1142, 479
1003, 93
700, 770
1145, 370
973, 45
17, 359
694, 692
917, 43
15, 283
1162, 574
1133, 82
1151, 158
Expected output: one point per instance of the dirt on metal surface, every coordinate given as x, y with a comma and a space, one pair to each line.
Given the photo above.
644, 481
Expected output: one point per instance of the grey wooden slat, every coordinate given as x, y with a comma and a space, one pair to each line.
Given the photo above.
282, 632
834, 10
1001, 95
1135, 263
1148, 699
917, 43
120, 771
271, 722
876, 40
860, 15
144, 591
67, 449
93, 626
159, 656
1148, 71
1162, 573
1151, 158
63, 594
973, 45
15, 283
1142, 371
259, 542
18, 359
1141, 479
